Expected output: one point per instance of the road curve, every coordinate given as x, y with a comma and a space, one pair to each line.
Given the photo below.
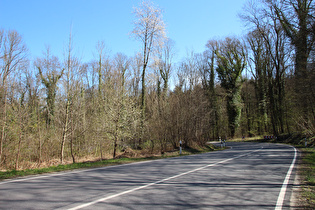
246, 176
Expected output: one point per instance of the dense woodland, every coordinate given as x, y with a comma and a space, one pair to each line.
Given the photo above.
57, 109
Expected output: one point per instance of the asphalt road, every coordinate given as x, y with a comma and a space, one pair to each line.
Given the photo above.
247, 176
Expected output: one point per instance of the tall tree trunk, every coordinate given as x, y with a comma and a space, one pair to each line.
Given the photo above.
39, 146
39, 137
71, 140
4, 120
71, 148
19, 148
115, 146
143, 105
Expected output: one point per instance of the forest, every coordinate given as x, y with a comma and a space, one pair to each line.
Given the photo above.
59, 109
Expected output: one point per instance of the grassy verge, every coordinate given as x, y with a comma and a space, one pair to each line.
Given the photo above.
307, 173
73, 166
109, 162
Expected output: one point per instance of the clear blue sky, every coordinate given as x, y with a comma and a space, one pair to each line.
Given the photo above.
190, 23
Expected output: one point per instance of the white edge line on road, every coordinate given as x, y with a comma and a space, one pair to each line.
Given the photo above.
75, 171
285, 184
157, 182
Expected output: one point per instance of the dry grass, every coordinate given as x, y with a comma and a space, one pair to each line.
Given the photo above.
307, 173
127, 156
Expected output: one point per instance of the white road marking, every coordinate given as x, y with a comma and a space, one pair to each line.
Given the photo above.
285, 184
157, 182
75, 171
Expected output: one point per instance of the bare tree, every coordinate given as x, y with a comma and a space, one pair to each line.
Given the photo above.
258, 62
71, 64
275, 59
50, 72
298, 22
13, 52
165, 65
122, 63
102, 61
19, 117
149, 28
103, 67
136, 74
159, 104
208, 75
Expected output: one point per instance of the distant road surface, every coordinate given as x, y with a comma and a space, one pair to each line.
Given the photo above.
246, 176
